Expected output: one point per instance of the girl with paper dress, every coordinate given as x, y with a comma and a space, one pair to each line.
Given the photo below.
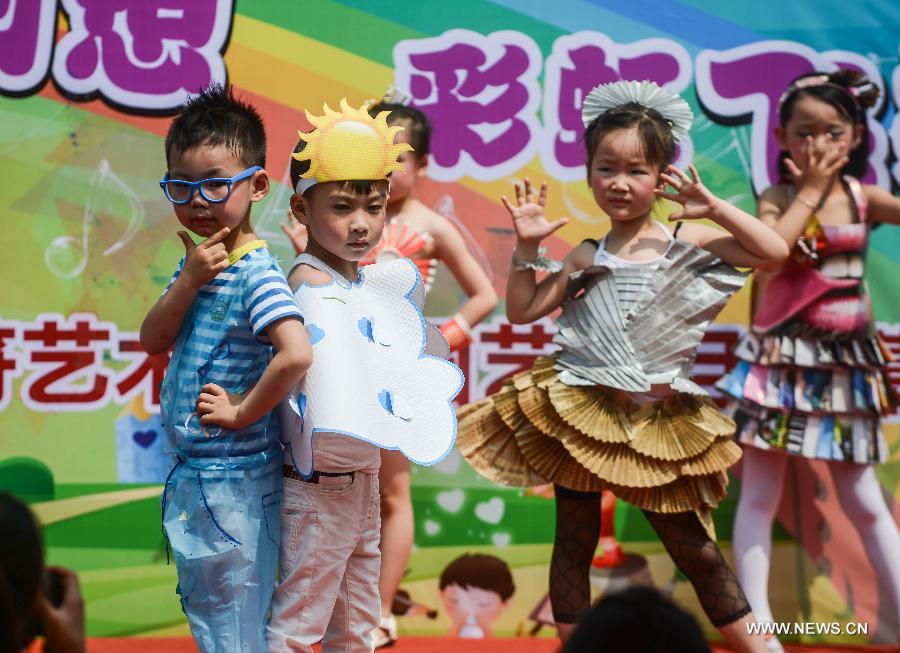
616, 408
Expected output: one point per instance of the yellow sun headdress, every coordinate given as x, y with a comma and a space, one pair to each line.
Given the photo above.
349, 145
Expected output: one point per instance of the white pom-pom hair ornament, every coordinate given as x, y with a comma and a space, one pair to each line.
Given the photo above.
648, 94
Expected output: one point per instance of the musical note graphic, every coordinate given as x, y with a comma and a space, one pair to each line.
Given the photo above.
67, 256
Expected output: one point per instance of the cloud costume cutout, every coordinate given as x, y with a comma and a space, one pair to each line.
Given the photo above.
379, 370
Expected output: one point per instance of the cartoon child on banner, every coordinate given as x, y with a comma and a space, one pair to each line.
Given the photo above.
475, 589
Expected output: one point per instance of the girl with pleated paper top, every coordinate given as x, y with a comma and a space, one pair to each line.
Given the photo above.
615, 408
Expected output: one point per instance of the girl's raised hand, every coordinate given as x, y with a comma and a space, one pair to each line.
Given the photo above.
822, 161
295, 232
529, 219
698, 201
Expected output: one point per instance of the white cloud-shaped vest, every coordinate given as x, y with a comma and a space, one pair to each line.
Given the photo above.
379, 371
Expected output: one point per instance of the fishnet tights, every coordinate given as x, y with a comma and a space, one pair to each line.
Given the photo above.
691, 549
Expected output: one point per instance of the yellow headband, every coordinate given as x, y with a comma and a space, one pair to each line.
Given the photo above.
349, 145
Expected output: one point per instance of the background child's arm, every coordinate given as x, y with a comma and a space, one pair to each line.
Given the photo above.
451, 249
883, 207
747, 242
201, 265
813, 177
526, 300
293, 356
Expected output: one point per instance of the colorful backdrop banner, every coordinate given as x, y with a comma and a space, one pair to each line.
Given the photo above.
88, 90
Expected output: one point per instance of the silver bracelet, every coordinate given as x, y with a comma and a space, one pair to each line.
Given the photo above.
805, 202
540, 263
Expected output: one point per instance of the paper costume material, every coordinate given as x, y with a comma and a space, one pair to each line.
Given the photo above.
379, 370
580, 419
648, 94
811, 380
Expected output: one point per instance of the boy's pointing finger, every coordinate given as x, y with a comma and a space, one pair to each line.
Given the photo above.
217, 237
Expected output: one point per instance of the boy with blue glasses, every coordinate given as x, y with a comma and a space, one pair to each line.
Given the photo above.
239, 346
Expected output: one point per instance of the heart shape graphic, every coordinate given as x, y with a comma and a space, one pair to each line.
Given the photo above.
501, 540
490, 511
144, 438
451, 500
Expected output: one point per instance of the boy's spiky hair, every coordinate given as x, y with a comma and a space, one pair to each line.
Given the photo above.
215, 117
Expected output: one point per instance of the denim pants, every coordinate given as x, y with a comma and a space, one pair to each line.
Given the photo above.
330, 566
221, 519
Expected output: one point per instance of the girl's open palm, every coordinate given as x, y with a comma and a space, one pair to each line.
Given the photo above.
529, 219
698, 201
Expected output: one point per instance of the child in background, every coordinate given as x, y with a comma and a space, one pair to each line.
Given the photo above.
616, 408
413, 231
811, 380
379, 379
239, 346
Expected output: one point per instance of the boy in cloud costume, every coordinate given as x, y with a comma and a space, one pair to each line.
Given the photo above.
379, 379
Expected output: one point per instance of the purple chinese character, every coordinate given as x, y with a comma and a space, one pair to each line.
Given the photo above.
26, 43
746, 83
145, 54
580, 62
481, 94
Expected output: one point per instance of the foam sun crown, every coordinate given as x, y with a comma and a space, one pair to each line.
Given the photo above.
350, 145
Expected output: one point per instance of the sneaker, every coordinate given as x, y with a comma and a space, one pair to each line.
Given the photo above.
385, 634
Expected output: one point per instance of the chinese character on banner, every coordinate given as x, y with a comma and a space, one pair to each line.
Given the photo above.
482, 96
581, 61
143, 376
27, 30
503, 349
143, 54
64, 363
746, 83
9, 362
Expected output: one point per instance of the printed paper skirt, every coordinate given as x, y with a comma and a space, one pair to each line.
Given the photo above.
811, 397
665, 456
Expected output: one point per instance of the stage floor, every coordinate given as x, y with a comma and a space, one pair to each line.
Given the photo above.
426, 645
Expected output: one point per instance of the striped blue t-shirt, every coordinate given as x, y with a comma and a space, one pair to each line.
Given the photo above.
223, 341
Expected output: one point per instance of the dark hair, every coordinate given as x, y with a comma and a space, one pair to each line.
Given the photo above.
21, 571
417, 127
654, 132
637, 620
479, 570
356, 186
850, 93
215, 117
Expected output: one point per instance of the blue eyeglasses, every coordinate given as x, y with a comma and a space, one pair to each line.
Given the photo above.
214, 190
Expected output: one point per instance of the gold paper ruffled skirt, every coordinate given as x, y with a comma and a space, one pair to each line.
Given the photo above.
666, 456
